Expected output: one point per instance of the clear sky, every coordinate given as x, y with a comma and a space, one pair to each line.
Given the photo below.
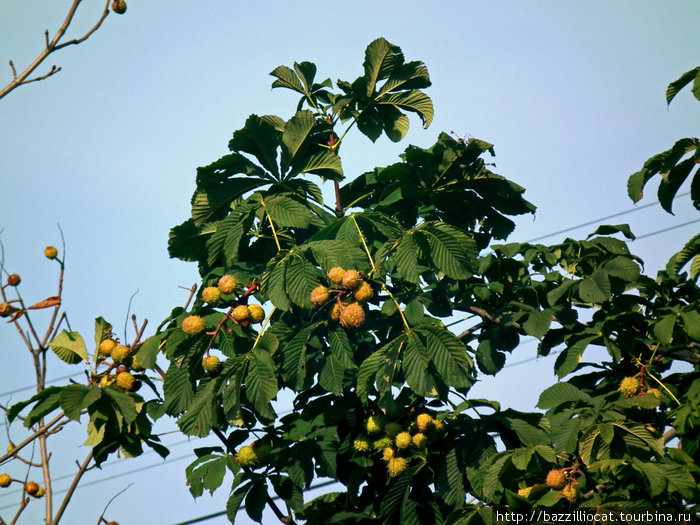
570, 93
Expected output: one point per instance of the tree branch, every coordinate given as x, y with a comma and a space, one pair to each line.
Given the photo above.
72, 488
50, 47
31, 438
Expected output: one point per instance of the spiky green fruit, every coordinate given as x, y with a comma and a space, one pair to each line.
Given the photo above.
420, 440
257, 314
403, 440
351, 279
107, 346
5, 480
246, 456
388, 453
211, 364
629, 386
211, 295
319, 295
375, 424
241, 313
335, 275
335, 312
570, 492
227, 284
424, 422
135, 364
50, 252
396, 466
382, 443
361, 444
363, 293
556, 479
125, 380
192, 325
352, 316
119, 353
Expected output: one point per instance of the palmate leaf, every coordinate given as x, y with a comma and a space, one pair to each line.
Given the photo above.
332, 253
294, 357
287, 212
214, 203
187, 241
450, 250
381, 60
449, 355
323, 163
414, 100
569, 359
670, 184
412, 75
301, 279
685, 79
178, 389
561, 393
201, 414
297, 131
415, 367
258, 138
286, 78
379, 368
691, 250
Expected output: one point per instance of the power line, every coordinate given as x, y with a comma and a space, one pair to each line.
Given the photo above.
30, 387
667, 229
596, 221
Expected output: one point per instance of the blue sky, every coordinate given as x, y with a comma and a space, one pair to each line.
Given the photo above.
570, 94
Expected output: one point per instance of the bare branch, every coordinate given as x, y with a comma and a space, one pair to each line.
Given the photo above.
72, 488
25, 502
50, 47
31, 438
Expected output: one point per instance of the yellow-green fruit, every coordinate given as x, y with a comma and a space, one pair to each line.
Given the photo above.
423, 422
241, 313
382, 443
211, 363
392, 430
211, 294
556, 479
107, 346
335, 275
375, 424
193, 325
246, 456
351, 279
420, 440
525, 492
352, 316
629, 386
135, 365
388, 454
363, 293
31, 488
119, 353
227, 284
570, 493
361, 444
50, 252
119, 7
396, 466
257, 314
438, 426
13, 279
39, 493
403, 440
105, 381
335, 312
319, 295
655, 392
5, 480
10, 448
125, 380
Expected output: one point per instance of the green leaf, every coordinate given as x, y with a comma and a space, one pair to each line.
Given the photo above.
381, 59
415, 367
595, 289
489, 358
569, 359
72, 399
609, 229
301, 279
201, 414
261, 382
256, 500
233, 504
623, 268
557, 293
414, 100
685, 79
260, 139
286, 78
559, 394
670, 184
273, 281
538, 323
123, 403
102, 330
663, 329
148, 351
691, 323
294, 357
412, 75
287, 212
451, 251
47, 403
323, 163
449, 355
178, 389
296, 133
69, 347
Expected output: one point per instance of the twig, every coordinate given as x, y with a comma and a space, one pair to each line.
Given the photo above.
669, 435
192, 290
101, 518
72, 488
21, 508
31, 438
50, 47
